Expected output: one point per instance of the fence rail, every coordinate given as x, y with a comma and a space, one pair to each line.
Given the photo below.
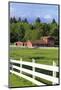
34, 74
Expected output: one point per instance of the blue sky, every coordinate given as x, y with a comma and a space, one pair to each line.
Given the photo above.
32, 11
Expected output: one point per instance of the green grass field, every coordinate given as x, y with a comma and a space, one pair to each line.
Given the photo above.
16, 81
41, 56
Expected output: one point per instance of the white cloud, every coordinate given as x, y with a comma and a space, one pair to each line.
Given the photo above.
48, 16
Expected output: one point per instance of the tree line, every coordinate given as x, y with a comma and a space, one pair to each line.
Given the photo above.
22, 30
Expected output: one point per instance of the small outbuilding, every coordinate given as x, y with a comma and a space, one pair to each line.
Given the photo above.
19, 43
28, 44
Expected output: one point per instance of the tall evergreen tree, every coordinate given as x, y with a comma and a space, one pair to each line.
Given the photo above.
38, 20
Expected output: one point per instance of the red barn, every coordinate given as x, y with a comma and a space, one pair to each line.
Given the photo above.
49, 40
44, 41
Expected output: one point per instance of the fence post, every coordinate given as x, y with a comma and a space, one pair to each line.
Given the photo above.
21, 65
33, 61
54, 72
12, 67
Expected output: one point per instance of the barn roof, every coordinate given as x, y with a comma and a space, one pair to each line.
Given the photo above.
47, 37
38, 42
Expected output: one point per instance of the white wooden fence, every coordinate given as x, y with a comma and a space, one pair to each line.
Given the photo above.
34, 74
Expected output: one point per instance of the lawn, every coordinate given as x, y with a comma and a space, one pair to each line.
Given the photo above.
42, 55
16, 81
